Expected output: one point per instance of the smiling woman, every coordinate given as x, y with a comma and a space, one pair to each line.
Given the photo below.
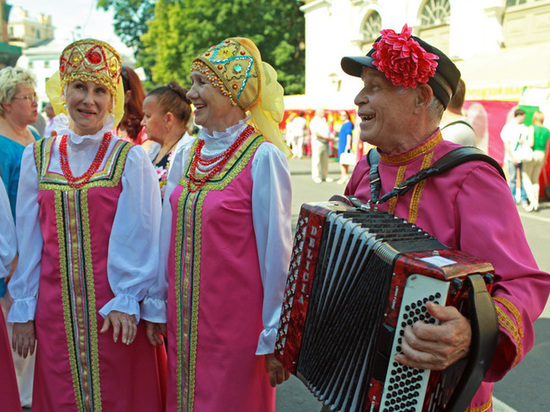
86, 195
228, 196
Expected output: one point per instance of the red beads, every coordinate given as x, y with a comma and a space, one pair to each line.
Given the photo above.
79, 181
194, 183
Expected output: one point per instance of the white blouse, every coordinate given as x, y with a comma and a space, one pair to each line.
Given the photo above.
271, 191
8, 244
132, 262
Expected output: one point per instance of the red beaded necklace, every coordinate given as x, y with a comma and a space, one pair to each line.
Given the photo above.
79, 181
194, 183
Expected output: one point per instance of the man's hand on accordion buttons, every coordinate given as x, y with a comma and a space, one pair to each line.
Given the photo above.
435, 347
277, 374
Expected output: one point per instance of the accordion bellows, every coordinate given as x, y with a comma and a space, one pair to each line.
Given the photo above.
357, 278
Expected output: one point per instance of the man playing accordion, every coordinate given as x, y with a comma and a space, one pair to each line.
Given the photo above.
407, 86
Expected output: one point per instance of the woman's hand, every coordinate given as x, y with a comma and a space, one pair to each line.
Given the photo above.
122, 322
154, 332
277, 374
23, 339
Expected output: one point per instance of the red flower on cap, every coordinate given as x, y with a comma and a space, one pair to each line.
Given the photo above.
402, 59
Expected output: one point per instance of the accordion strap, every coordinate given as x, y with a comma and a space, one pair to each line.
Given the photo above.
448, 161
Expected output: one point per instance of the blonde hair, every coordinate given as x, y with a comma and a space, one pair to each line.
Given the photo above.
538, 118
10, 80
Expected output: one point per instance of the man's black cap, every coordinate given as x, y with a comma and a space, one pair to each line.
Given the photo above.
443, 82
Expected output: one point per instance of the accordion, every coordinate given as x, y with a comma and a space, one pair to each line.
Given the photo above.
357, 278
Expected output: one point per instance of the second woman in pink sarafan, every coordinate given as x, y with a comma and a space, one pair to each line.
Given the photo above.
226, 224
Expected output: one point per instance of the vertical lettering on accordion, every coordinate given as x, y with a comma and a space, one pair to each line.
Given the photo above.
355, 281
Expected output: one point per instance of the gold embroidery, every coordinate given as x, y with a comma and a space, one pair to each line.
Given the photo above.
515, 329
89, 270
398, 179
76, 267
418, 189
189, 221
65, 296
419, 151
108, 176
483, 408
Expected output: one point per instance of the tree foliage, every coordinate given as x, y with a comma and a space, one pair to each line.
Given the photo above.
130, 20
182, 29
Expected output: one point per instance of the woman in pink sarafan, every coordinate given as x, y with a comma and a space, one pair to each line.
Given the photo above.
84, 199
226, 231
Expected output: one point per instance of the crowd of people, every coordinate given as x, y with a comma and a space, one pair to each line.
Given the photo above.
150, 263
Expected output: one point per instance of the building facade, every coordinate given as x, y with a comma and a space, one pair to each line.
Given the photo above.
500, 46
24, 31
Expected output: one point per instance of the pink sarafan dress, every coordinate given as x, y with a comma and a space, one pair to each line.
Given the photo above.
77, 368
215, 295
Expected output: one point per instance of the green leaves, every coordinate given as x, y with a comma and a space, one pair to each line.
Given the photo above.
168, 38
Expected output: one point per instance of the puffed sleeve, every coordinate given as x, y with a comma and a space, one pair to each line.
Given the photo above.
154, 305
23, 286
8, 244
520, 290
133, 259
271, 214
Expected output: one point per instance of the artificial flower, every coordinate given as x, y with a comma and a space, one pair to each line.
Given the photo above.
402, 59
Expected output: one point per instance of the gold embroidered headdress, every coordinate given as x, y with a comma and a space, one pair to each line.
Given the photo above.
88, 60
235, 66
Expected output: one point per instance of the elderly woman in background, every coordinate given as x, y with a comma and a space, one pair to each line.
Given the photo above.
538, 140
18, 110
226, 233
166, 115
88, 222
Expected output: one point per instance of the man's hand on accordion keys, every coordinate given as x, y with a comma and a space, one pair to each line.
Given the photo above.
274, 368
435, 347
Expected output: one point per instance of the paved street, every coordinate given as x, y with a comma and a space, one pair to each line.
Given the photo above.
524, 389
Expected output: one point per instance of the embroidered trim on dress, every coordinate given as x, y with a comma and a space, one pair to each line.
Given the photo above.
515, 329
108, 176
483, 408
419, 151
418, 189
398, 180
76, 266
187, 275
78, 295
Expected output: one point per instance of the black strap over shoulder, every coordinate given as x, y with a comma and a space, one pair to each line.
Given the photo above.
459, 121
448, 161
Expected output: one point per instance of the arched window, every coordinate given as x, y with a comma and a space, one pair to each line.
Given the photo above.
435, 13
435, 19
371, 27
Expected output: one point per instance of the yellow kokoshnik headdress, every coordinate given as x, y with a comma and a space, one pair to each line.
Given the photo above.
235, 66
88, 60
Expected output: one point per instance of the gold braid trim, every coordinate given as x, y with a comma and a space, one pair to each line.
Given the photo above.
233, 167
90, 286
179, 318
188, 254
109, 176
515, 328
65, 297
398, 179
483, 408
419, 151
418, 189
